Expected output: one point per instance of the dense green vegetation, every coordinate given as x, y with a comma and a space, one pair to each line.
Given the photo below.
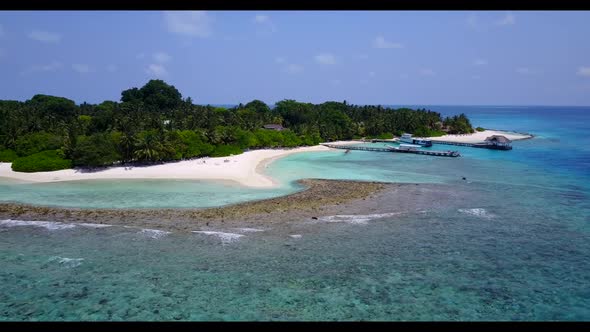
7, 155
480, 129
458, 124
50, 160
154, 123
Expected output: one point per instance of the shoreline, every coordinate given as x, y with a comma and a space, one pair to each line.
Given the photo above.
247, 169
322, 201
320, 197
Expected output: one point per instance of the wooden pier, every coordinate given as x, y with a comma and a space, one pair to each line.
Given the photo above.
475, 145
395, 149
453, 143
379, 140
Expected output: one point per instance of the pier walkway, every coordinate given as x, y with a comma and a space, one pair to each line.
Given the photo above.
475, 145
395, 149
454, 143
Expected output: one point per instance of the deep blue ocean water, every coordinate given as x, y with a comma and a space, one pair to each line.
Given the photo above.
511, 244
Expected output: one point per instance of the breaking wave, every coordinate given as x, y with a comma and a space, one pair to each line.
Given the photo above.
224, 237
67, 262
478, 212
50, 225
356, 219
94, 225
249, 230
153, 233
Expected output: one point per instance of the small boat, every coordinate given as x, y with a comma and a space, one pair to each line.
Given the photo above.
410, 146
347, 151
404, 147
407, 138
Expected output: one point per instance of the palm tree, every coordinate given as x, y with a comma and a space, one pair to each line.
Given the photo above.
126, 146
148, 146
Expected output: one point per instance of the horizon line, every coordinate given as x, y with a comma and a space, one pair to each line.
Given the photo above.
348, 103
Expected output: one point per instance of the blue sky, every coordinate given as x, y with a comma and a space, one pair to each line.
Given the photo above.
368, 57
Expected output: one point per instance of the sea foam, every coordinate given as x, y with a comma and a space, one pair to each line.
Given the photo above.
249, 230
356, 219
224, 237
153, 233
478, 212
94, 225
67, 262
50, 225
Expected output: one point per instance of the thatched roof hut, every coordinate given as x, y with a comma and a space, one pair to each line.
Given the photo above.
498, 140
273, 127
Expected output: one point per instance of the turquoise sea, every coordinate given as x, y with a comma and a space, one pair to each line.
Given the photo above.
513, 243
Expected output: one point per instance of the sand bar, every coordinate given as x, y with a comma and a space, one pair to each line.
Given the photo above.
480, 136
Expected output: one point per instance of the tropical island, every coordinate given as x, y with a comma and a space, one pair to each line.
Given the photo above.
49, 139
155, 124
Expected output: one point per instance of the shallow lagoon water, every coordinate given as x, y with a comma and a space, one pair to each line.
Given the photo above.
135, 193
513, 245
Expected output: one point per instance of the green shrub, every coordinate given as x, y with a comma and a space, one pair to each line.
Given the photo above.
480, 129
226, 150
436, 133
380, 136
36, 142
95, 150
290, 139
385, 136
311, 139
8, 155
51, 160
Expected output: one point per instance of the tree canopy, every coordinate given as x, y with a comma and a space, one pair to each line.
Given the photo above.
154, 123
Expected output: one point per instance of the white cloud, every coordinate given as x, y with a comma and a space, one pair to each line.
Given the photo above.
162, 57
261, 18
53, 66
507, 19
157, 70
112, 68
45, 36
81, 68
472, 21
372, 74
189, 23
426, 72
280, 60
325, 59
524, 70
293, 68
584, 71
264, 20
380, 42
480, 62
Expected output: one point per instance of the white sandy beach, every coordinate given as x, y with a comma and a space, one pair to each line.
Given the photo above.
480, 136
245, 168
